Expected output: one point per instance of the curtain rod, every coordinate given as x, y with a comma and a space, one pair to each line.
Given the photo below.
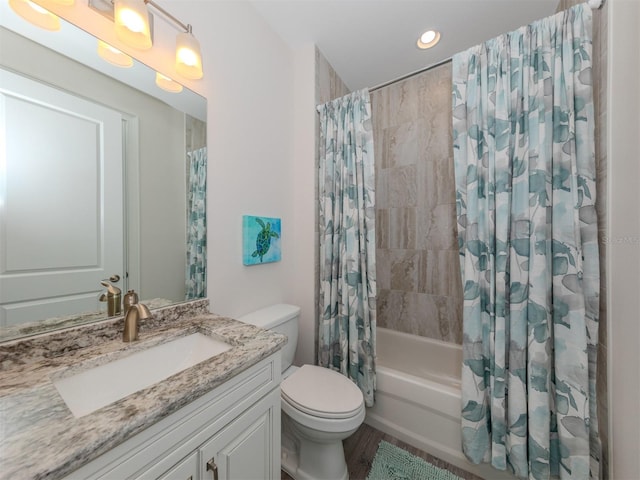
594, 4
408, 75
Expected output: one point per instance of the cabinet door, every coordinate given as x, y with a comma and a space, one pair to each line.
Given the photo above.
245, 448
187, 469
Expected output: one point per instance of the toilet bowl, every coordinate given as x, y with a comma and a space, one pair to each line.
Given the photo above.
320, 407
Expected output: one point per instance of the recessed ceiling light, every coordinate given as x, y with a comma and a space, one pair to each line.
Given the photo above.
428, 39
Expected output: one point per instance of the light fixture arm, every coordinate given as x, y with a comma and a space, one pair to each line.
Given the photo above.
186, 27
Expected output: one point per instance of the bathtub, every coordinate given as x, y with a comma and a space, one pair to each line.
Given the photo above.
418, 397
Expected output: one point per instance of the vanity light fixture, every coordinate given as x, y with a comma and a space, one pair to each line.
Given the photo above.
133, 27
131, 19
113, 55
428, 39
188, 55
167, 84
35, 14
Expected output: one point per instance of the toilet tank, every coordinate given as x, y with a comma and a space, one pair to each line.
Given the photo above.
281, 318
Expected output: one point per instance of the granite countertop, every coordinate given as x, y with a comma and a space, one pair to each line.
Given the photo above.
40, 437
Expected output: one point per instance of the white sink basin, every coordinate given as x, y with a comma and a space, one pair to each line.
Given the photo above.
92, 389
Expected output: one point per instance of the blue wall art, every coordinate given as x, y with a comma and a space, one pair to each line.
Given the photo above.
261, 240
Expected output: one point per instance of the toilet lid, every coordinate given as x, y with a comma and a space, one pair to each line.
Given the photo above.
322, 393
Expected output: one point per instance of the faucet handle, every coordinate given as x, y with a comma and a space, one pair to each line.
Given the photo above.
112, 289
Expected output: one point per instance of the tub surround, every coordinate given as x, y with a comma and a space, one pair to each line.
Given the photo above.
40, 437
418, 273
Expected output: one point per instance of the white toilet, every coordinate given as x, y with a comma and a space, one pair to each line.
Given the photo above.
320, 407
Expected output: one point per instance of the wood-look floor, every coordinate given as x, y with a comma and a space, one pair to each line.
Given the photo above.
361, 447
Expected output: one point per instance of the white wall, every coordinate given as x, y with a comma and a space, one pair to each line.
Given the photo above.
624, 238
248, 82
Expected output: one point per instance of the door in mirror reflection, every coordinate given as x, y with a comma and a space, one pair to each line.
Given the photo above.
62, 208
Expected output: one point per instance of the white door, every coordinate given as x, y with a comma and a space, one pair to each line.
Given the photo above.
61, 201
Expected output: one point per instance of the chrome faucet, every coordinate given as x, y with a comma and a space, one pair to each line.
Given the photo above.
135, 313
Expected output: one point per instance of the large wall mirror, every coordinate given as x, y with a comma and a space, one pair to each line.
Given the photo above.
100, 180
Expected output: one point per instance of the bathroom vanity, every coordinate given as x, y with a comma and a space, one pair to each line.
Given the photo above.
230, 432
219, 418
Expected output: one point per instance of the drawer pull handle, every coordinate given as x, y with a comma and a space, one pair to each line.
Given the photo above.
211, 466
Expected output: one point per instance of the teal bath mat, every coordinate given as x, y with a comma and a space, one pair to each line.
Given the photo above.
394, 463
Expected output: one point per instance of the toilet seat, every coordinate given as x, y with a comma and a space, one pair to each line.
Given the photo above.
322, 393
320, 424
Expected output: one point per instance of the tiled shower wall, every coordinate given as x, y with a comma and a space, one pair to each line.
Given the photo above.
329, 86
418, 275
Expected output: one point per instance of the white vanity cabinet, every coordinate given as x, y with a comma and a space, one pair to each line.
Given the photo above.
242, 449
187, 469
232, 432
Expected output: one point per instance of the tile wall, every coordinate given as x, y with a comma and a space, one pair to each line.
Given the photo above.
329, 86
419, 285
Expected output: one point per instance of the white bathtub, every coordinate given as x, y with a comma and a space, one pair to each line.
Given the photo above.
418, 397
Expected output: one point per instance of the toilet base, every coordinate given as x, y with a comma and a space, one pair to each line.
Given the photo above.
289, 460
304, 459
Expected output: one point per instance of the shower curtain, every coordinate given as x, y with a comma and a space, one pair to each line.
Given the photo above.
347, 295
525, 179
196, 274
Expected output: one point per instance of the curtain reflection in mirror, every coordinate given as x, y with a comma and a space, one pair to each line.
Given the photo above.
196, 278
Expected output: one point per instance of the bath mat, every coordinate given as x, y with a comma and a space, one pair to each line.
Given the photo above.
394, 463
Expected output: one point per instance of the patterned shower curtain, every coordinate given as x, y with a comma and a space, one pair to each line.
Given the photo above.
196, 275
347, 327
525, 179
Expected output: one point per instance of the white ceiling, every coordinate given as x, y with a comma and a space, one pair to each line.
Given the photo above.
370, 42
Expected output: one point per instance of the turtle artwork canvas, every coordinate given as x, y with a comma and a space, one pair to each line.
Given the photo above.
261, 240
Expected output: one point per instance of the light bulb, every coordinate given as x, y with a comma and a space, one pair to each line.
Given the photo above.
188, 56
132, 20
132, 23
428, 39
